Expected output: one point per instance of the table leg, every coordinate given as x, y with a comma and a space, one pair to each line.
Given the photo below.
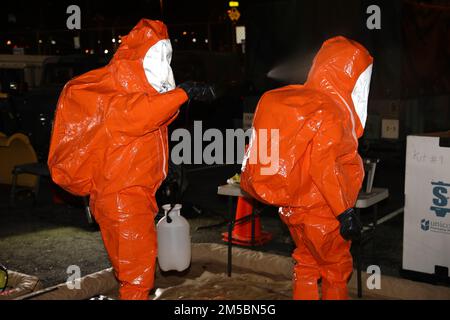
375, 217
358, 244
230, 231
359, 267
374, 225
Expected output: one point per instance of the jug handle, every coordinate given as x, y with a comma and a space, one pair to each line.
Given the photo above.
166, 214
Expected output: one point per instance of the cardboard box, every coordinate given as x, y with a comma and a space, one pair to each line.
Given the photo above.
426, 237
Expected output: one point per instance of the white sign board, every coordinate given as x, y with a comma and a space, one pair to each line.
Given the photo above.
240, 34
426, 238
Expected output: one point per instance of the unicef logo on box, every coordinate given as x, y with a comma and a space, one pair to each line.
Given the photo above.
425, 224
440, 199
435, 226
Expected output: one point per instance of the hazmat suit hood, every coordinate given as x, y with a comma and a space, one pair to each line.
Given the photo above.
342, 69
142, 61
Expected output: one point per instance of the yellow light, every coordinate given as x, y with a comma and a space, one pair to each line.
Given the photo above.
233, 4
8, 43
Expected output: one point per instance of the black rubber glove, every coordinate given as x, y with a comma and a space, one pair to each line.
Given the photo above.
198, 91
350, 225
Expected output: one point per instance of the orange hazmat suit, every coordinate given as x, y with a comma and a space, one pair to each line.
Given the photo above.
110, 141
319, 171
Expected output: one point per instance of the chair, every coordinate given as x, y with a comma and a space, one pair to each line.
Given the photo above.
37, 169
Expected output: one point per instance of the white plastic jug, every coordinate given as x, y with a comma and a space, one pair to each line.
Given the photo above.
174, 240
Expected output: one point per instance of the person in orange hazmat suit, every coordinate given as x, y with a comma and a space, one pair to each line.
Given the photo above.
110, 141
319, 171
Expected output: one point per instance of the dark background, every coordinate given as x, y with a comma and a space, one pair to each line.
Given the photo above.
410, 83
411, 49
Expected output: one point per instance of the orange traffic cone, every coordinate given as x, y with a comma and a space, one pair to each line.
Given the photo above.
242, 231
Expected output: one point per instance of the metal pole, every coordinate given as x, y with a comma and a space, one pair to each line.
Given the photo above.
161, 6
233, 35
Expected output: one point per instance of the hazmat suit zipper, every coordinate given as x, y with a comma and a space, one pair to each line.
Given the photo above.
163, 151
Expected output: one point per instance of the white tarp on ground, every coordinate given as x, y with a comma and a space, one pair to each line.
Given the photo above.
263, 275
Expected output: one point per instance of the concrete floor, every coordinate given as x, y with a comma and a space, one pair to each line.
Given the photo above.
46, 239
